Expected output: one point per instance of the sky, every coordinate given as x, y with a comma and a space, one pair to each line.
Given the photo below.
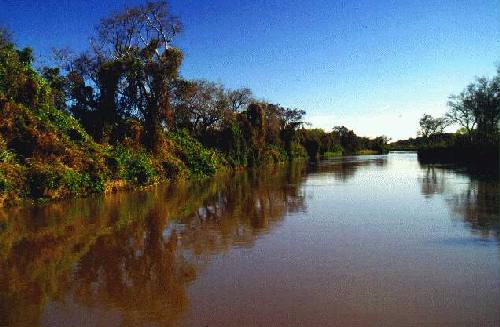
373, 66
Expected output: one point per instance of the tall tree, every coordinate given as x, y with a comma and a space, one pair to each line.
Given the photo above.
141, 37
476, 106
482, 98
199, 105
461, 113
348, 139
131, 67
239, 99
430, 125
5, 37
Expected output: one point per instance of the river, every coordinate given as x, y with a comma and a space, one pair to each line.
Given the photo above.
355, 241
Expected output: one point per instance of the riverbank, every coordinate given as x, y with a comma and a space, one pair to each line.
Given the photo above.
480, 160
100, 125
476, 152
52, 148
46, 156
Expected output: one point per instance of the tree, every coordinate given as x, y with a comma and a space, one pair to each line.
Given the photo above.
460, 113
481, 98
476, 107
291, 119
130, 69
140, 39
5, 37
58, 85
239, 99
312, 141
348, 139
19, 82
255, 131
430, 125
199, 105
379, 144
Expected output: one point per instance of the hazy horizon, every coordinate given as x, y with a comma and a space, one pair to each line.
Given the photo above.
373, 67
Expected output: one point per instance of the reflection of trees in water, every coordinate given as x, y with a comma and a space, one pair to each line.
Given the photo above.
249, 205
475, 200
433, 181
133, 252
344, 168
478, 204
136, 270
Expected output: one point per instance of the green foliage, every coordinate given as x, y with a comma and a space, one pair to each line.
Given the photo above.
431, 126
7, 156
82, 183
297, 151
4, 185
133, 166
366, 152
19, 82
234, 144
173, 167
63, 122
58, 181
11, 179
199, 160
341, 141
274, 154
334, 153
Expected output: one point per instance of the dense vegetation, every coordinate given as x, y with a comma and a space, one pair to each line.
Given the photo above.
119, 115
340, 141
475, 111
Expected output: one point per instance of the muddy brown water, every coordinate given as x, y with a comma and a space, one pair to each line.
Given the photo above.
357, 241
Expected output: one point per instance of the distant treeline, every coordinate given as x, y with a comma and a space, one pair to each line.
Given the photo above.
340, 141
120, 115
476, 112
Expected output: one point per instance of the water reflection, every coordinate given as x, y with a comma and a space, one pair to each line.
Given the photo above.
132, 259
134, 253
344, 168
473, 198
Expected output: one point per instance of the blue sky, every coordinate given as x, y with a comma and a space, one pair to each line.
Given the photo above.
374, 66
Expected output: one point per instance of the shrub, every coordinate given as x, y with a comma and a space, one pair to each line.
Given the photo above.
133, 166
44, 181
54, 181
11, 177
82, 183
173, 167
4, 185
7, 156
297, 151
274, 154
199, 160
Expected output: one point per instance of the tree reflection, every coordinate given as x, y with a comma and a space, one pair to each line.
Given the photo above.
478, 204
474, 199
432, 182
134, 253
345, 168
